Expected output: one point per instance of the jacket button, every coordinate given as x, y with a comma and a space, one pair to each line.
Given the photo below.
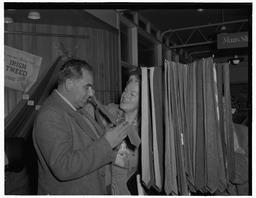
103, 174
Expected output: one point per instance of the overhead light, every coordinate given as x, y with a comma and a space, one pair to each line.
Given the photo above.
200, 10
236, 60
34, 15
223, 28
8, 20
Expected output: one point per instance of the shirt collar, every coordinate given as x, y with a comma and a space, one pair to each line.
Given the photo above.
66, 100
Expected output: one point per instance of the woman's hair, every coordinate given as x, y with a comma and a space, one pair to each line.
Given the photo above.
134, 78
73, 69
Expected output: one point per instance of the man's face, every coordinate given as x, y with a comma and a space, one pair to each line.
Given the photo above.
81, 89
130, 97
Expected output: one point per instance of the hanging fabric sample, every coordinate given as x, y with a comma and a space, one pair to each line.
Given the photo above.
228, 124
222, 184
190, 130
157, 124
177, 123
198, 129
146, 140
170, 157
210, 119
20, 120
200, 139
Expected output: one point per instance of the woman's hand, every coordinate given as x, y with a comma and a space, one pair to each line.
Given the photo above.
115, 135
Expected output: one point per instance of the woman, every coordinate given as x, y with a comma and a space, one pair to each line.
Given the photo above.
127, 159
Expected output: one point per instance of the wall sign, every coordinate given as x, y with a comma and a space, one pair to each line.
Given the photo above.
233, 40
21, 68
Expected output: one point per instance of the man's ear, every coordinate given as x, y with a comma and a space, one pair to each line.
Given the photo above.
68, 84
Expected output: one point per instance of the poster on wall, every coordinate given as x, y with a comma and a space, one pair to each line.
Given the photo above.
21, 69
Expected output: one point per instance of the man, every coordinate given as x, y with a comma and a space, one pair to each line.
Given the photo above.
72, 155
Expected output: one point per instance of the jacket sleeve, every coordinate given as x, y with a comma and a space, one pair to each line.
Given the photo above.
54, 140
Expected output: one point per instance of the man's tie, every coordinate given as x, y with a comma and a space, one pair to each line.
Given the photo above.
97, 115
131, 132
100, 107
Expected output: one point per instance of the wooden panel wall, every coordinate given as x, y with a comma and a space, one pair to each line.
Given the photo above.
100, 50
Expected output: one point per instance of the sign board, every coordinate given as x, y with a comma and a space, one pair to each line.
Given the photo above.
233, 40
21, 69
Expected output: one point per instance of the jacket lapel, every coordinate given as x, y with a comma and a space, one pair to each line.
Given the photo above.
84, 125
80, 121
97, 126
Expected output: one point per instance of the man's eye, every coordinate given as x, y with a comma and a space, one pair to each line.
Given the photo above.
86, 88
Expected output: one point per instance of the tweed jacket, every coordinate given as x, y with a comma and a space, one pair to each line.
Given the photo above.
71, 159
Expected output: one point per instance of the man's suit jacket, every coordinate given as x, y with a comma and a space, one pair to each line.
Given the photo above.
71, 160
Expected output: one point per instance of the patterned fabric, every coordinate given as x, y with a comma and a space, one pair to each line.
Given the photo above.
201, 127
119, 179
127, 159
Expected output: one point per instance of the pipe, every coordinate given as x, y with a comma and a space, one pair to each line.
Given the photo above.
192, 44
47, 34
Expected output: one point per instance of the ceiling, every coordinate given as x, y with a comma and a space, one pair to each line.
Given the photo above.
67, 17
196, 32
187, 29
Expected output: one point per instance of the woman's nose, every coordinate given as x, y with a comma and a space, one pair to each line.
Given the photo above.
126, 95
91, 91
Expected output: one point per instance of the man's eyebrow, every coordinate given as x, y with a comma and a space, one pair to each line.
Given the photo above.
88, 85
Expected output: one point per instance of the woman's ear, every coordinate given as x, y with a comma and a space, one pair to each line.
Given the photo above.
132, 78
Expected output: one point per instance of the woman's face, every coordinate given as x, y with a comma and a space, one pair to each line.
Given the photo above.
130, 97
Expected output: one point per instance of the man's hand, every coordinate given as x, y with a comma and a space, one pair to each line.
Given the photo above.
115, 135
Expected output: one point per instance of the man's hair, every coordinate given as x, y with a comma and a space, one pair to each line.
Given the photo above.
73, 69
